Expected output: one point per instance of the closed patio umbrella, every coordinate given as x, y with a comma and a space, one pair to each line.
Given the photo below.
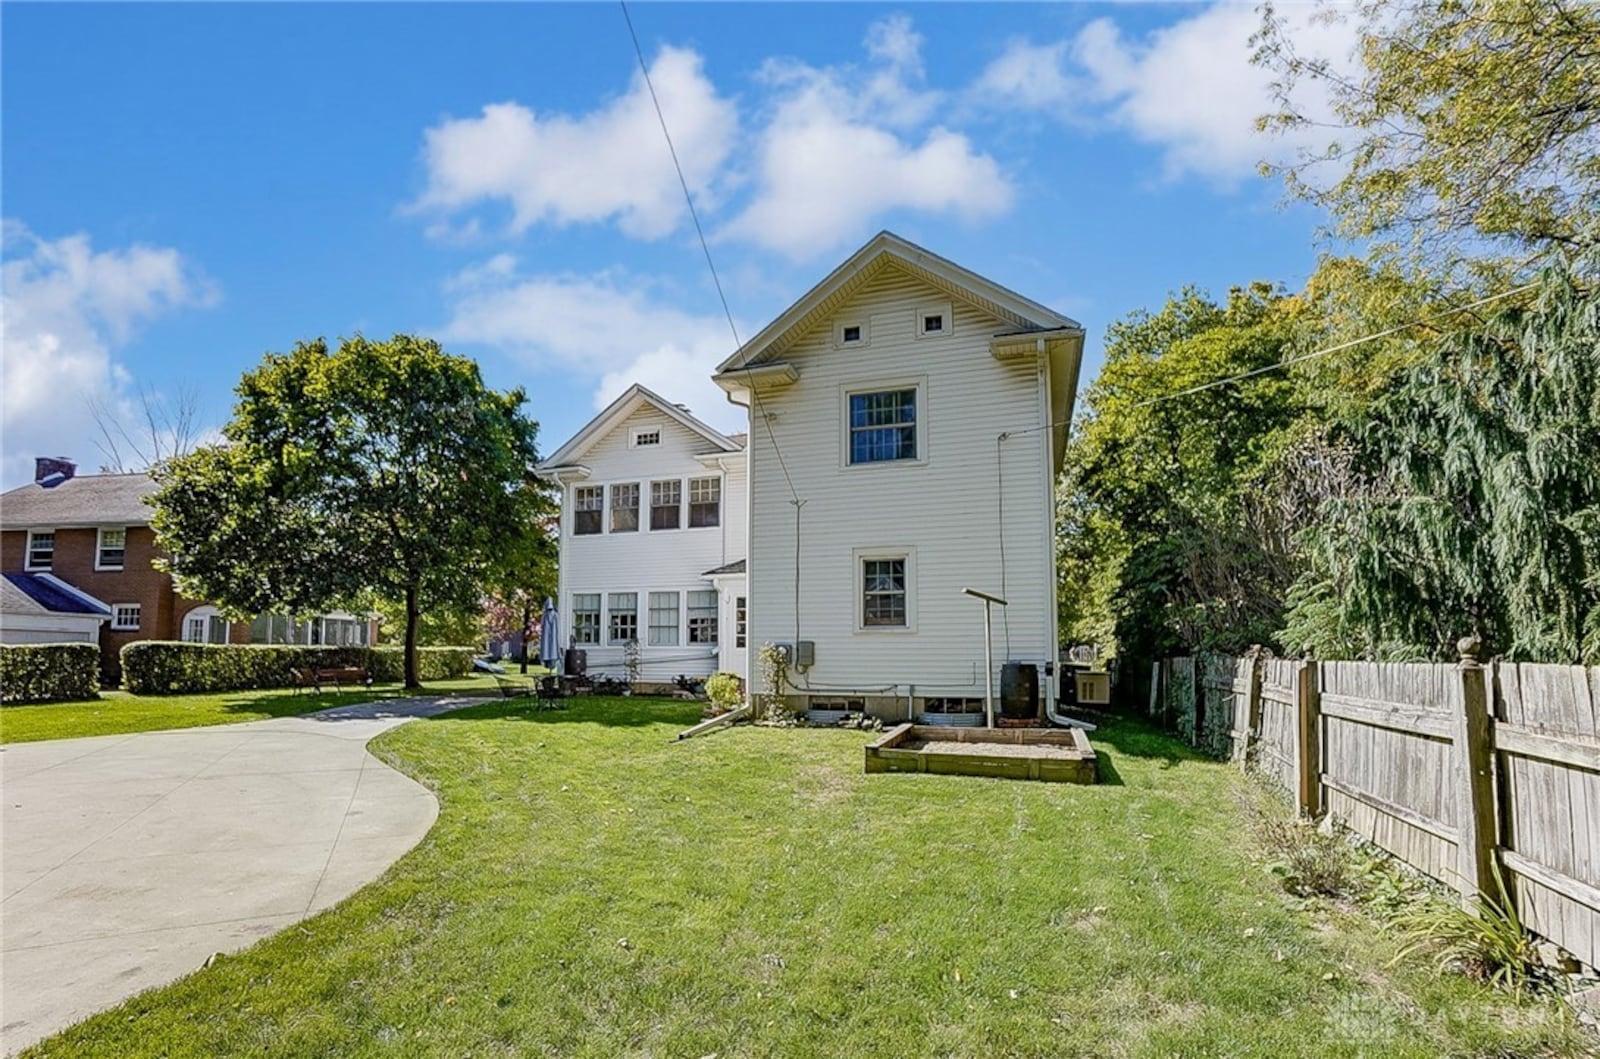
550, 635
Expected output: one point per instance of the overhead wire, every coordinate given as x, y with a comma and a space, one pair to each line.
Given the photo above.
705, 247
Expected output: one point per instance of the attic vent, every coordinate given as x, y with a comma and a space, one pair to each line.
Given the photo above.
852, 333
647, 437
933, 324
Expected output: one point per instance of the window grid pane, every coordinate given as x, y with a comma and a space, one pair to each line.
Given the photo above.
586, 617
663, 619
883, 592
702, 617
883, 426
624, 607
113, 547
588, 508
625, 508
705, 502
739, 621
41, 550
666, 505
125, 616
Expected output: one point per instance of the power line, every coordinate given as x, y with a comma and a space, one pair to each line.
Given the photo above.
705, 248
1287, 361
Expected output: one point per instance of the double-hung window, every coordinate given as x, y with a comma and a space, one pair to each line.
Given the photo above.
666, 505
883, 426
111, 550
624, 607
883, 593
625, 508
586, 617
705, 502
588, 508
703, 616
663, 619
41, 549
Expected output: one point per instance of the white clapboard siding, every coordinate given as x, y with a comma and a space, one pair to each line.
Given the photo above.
946, 507
644, 560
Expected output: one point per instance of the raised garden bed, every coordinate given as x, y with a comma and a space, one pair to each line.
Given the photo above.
1053, 755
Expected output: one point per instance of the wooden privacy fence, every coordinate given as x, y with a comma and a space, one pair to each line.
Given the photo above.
1454, 769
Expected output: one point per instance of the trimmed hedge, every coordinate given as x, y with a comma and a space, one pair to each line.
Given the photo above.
49, 672
159, 667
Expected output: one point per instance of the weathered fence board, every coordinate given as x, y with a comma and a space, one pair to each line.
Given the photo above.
1452, 768
1549, 757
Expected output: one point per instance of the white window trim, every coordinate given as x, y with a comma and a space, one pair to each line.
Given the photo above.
572, 513
641, 507
688, 500
878, 385
27, 556
940, 309
859, 556
839, 341
206, 612
99, 546
638, 432
648, 503
116, 617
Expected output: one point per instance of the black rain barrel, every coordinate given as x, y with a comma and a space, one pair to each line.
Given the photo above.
576, 662
1019, 690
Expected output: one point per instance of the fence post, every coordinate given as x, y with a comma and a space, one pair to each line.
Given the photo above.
1252, 711
1308, 740
1474, 760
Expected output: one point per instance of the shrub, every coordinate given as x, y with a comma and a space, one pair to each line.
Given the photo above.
154, 667
50, 672
1487, 942
725, 691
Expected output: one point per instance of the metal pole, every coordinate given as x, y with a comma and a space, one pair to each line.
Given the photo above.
988, 669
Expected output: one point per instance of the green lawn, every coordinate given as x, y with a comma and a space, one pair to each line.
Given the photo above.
118, 712
593, 889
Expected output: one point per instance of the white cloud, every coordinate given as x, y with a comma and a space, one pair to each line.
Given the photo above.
1190, 88
840, 149
609, 164
66, 310
1031, 76
607, 328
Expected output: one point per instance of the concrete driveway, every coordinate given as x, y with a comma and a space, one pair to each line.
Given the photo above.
126, 861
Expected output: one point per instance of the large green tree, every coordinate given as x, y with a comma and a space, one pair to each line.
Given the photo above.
382, 469
1467, 124
1160, 548
1474, 499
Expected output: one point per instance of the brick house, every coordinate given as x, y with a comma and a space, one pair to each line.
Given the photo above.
91, 533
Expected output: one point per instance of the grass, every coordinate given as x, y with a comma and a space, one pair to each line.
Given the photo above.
118, 712
593, 889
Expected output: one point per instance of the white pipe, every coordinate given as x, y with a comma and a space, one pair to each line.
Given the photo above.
1060, 719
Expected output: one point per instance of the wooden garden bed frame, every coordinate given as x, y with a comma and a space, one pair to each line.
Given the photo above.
1051, 755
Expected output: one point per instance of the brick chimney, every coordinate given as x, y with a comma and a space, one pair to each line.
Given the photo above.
51, 471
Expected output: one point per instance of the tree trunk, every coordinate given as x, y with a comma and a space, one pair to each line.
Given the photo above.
527, 624
412, 616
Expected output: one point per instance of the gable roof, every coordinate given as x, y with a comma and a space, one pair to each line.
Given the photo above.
84, 500
632, 399
882, 250
44, 594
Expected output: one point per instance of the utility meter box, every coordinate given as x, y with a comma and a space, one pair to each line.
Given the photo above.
805, 653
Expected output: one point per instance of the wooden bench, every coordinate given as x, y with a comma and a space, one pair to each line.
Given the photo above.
337, 676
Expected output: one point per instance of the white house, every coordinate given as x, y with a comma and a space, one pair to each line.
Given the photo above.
907, 422
652, 540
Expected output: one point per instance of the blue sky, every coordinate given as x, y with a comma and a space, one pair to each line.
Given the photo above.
188, 186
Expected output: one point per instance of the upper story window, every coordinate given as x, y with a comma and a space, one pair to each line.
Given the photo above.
41, 549
588, 508
934, 320
705, 502
643, 436
625, 508
883, 426
850, 332
666, 505
111, 550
